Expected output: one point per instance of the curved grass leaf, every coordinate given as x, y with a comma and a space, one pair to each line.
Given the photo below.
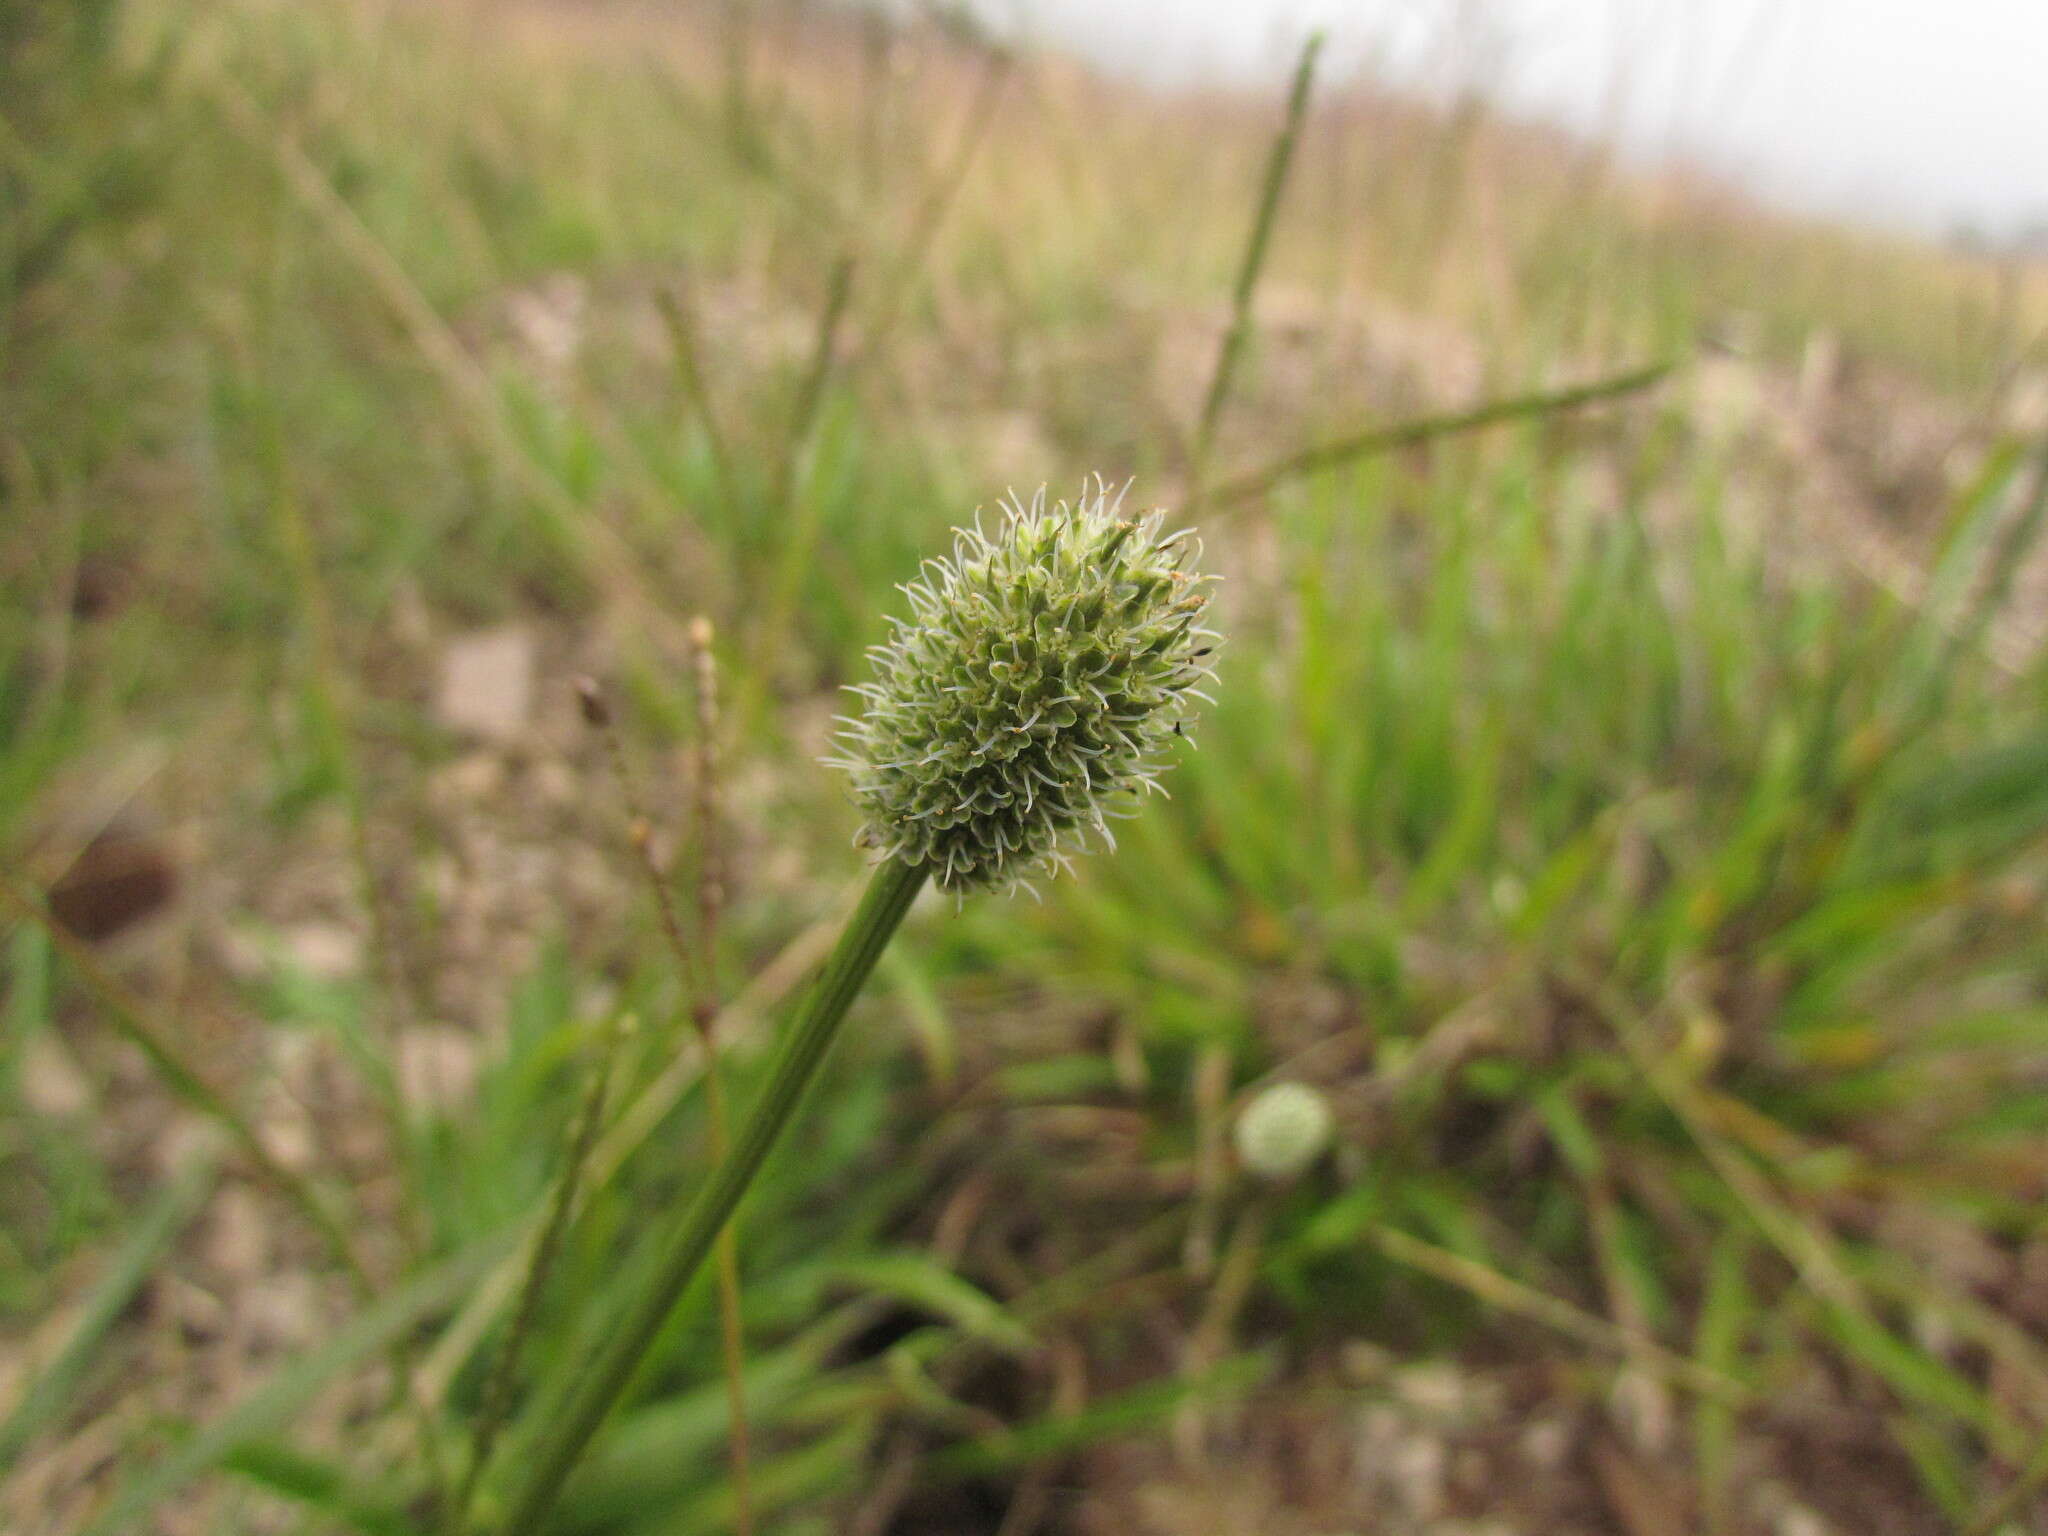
43, 1404
294, 1384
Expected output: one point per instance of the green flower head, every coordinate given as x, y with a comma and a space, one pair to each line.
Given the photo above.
1032, 692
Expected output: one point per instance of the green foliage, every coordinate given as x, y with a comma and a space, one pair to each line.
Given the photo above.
1659, 917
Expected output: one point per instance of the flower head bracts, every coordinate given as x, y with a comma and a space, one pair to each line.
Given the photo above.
1032, 691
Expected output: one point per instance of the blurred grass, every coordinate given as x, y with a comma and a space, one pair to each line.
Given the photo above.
1661, 914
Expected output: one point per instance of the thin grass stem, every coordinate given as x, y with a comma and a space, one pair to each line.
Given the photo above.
2006, 1508
1423, 429
709, 908
50, 1391
678, 314
128, 1016
931, 213
699, 967
799, 520
332, 725
497, 1395
1274, 183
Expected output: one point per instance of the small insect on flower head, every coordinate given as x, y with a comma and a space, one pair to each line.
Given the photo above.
1283, 1130
1032, 691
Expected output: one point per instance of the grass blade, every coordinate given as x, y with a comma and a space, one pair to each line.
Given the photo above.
294, 1385
1724, 1316
890, 891
126, 1013
679, 315
912, 1277
44, 1402
1277, 164
319, 1485
1422, 429
1511, 1295
1124, 1414
2010, 1504
497, 1396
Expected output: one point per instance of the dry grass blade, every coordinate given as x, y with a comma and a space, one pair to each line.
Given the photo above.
711, 892
580, 537
1803, 1243
1210, 1089
1423, 429
2008, 1506
1232, 1287
48, 1394
294, 1384
127, 1014
1510, 1295
679, 316
931, 212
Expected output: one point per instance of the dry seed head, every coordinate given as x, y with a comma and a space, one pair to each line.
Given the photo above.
1033, 690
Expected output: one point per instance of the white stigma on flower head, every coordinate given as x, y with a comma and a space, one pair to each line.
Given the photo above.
1043, 671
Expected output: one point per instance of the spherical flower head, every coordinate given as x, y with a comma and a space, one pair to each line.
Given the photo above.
1033, 691
1283, 1130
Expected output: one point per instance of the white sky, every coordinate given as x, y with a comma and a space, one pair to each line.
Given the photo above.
1927, 113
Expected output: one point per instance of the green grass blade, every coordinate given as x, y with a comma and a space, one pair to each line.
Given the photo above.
1724, 1317
1423, 429
1124, 1414
319, 1485
1271, 186
125, 1012
914, 1278
294, 1384
44, 1403
891, 889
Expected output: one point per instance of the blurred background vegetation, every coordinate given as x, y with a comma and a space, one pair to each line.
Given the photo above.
1630, 815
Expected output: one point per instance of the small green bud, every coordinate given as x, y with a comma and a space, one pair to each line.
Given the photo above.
1031, 693
1283, 1130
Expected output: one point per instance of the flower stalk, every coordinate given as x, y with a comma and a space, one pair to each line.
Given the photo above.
1043, 674
888, 896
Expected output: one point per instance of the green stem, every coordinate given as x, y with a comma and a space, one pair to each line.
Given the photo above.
889, 894
1422, 429
1275, 181
497, 1395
